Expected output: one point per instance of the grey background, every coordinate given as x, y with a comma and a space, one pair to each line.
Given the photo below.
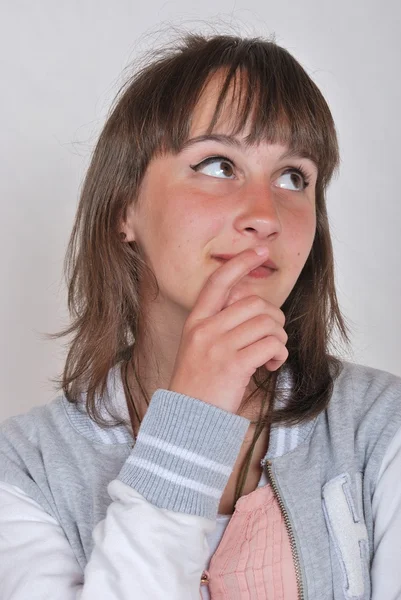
61, 64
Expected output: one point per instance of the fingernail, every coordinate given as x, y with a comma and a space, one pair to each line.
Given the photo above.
261, 250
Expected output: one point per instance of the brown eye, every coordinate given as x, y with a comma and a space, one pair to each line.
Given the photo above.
296, 178
218, 164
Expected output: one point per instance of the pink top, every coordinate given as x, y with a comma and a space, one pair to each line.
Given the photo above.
253, 560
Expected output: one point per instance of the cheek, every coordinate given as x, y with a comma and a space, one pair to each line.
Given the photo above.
300, 241
311, 232
193, 221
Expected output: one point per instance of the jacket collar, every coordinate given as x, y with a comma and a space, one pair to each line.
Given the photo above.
283, 439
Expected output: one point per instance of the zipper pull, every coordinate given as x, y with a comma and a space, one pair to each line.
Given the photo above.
205, 578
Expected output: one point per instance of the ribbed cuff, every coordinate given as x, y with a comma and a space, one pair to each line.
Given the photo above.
184, 454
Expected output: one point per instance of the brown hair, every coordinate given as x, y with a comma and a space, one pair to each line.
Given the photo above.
151, 115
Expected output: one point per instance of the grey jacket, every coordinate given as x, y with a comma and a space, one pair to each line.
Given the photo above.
324, 476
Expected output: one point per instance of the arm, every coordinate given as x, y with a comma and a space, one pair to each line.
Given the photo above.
36, 560
152, 542
386, 508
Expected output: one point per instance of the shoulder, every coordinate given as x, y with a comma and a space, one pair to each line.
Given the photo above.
364, 377
28, 443
365, 390
26, 438
364, 412
33, 442
28, 427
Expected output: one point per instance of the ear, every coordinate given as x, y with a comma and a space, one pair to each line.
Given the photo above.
126, 228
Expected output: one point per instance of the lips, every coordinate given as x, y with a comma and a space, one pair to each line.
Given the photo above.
268, 263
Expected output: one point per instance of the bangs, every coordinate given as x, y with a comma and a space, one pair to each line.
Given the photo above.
263, 89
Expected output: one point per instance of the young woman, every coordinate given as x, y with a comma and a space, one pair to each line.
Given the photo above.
206, 444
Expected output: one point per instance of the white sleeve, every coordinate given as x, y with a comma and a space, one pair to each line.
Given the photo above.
128, 562
386, 508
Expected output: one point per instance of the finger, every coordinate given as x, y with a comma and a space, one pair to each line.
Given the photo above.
253, 329
244, 309
269, 351
215, 292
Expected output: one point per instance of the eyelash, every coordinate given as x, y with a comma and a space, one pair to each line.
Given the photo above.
300, 170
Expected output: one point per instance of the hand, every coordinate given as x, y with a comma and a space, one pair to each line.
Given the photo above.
222, 346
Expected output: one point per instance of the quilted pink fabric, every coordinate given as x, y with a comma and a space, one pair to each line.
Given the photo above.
253, 560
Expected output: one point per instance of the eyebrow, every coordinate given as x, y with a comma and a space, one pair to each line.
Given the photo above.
234, 142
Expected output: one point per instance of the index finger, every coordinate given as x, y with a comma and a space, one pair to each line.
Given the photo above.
214, 293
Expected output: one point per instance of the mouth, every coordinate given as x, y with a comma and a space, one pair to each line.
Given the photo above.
261, 272
268, 264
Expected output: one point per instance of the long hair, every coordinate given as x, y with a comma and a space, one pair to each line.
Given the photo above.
150, 116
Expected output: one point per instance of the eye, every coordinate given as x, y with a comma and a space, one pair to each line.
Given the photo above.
297, 177
224, 166
217, 164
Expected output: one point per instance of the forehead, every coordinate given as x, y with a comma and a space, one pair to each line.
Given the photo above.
234, 119
227, 121
204, 110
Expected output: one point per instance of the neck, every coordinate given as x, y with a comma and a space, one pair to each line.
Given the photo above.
158, 379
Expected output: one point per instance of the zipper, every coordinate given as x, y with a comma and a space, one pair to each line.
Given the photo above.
268, 464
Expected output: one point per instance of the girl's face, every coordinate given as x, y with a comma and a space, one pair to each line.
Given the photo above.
193, 206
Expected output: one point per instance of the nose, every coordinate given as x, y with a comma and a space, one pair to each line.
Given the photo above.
259, 210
